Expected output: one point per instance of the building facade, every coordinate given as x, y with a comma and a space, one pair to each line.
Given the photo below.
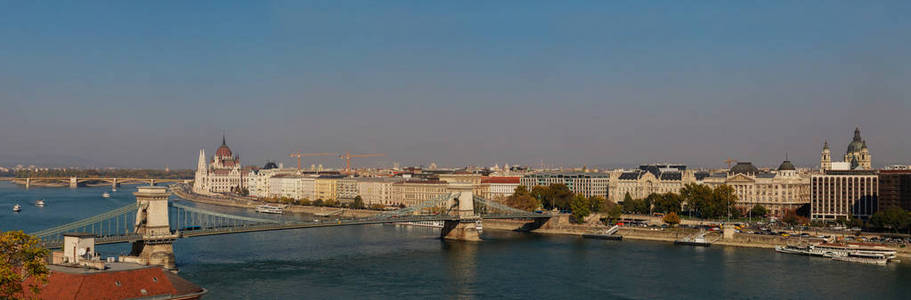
857, 156
649, 179
843, 194
779, 191
325, 187
346, 189
587, 184
895, 189
377, 191
415, 192
222, 174
498, 188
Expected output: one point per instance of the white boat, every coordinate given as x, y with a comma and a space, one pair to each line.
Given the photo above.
270, 209
433, 224
39, 203
106, 195
17, 208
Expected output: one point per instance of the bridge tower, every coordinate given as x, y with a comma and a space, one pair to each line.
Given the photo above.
74, 182
462, 204
152, 224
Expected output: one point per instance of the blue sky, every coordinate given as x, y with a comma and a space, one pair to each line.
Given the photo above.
146, 84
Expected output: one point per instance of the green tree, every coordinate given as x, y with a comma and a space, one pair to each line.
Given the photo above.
358, 203
627, 197
21, 258
597, 203
758, 211
893, 218
580, 208
558, 196
668, 202
671, 218
521, 191
612, 212
698, 198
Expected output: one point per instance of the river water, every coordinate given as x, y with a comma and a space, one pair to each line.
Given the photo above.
386, 261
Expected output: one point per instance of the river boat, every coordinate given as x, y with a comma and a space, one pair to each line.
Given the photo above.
432, 224
17, 208
698, 240
602, 236
852, 249
877, 259
270, 209
106, 195
39, 203
794, 250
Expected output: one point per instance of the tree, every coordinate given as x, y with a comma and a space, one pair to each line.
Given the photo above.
893, 218
558, 196
596, 203
671, 218
581, 209
758, 211
627, 197
523, 201
613, 213
521, 191
668, 202
21, 258
698, 198
540, 193
792, 218
358, 202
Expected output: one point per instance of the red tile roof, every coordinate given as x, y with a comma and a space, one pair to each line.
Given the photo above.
510, 180
136, 283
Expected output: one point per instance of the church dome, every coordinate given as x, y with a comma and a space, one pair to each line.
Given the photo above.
270, 165
786, 166
857, 143
223, 150
744, 168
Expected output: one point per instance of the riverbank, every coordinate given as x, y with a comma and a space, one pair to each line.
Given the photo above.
558, 225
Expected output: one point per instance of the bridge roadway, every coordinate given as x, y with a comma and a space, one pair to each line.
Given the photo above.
132, 237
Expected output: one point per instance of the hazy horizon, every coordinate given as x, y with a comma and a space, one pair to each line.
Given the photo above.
147, 84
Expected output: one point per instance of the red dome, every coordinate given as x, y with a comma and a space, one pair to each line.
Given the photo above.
223, 151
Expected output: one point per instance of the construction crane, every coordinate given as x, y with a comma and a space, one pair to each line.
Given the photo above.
729, 161
348, 156
298, 155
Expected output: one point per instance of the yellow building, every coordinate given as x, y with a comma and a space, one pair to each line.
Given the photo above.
326, 187
412, 193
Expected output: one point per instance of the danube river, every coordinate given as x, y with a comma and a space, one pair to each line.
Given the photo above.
385, 261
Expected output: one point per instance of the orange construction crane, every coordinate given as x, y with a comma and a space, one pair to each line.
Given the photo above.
729, 161
348, 156
298, 155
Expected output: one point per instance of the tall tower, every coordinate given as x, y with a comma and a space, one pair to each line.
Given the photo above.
825, 163
865, 159
199, 181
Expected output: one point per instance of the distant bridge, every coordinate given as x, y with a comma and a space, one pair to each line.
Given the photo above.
74, 182
153, 222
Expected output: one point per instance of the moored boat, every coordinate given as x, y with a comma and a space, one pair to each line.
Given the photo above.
17, 208
697, 240
39, 203
270, 209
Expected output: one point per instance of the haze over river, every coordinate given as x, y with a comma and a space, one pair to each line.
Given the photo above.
387, 261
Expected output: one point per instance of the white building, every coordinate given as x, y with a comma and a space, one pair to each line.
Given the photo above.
377, 191
222, 174
587, 184
843, 194
499, 188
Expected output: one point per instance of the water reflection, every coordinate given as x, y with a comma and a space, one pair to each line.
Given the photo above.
462, 267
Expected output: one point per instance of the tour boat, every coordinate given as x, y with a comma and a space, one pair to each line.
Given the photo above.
17, 208
877, 259
433, 224
849, 249
794, 250
106, 195
39, 203
269, 209
698, 240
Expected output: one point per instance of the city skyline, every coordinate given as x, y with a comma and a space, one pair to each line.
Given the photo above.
569, 84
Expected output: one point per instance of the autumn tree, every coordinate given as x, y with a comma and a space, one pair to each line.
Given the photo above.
671, 218
21, 258
758, 211
522, 199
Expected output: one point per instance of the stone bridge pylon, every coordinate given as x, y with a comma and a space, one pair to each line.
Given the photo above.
461, 204
152, 224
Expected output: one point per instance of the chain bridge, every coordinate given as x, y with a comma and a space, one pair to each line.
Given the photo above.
153, 222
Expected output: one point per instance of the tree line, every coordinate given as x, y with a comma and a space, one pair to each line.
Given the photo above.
560, 197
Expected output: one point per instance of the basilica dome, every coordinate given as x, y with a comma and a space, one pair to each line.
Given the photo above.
857, 143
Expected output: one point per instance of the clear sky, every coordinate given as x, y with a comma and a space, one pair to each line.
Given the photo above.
148, 83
